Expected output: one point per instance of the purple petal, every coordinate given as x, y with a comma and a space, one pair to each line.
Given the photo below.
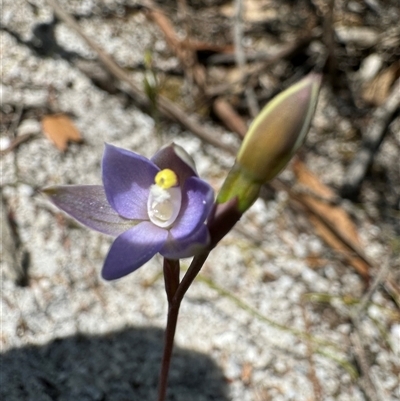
127, 178
133, 249
185, 248
88, 205
197, 202
176, 159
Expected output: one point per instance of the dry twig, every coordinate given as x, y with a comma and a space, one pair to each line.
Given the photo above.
310, 352
379, 279
229, 116
182, 49
241, 58
172, 111
166, 107
365, 381
314, 211
359, 345
17, 142
372, 138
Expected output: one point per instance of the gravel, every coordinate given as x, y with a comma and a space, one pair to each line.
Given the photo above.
68, 335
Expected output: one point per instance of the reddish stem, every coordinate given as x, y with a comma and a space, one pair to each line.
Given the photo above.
171, 277
173, 312
221, 221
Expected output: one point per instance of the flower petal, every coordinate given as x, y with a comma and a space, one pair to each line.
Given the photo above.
88, 205
189, 246
133, 249
127, 178
197, 201
177, 159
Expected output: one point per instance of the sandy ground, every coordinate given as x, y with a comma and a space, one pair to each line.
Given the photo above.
68, 335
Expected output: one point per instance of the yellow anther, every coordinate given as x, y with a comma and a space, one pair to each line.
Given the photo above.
166, 179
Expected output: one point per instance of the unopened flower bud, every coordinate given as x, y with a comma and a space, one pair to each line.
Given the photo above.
273, 137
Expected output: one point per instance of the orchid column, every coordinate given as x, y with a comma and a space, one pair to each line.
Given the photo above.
150, 206
162, 206
273, 138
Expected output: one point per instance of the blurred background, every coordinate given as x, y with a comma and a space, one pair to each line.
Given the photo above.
301, 300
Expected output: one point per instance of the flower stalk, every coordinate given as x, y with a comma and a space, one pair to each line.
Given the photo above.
171, 278
161, 205
273, 138
172, 319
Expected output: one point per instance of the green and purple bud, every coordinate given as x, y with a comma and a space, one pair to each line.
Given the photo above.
273, 138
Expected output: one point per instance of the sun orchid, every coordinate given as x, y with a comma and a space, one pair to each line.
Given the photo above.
152, 206
161, 205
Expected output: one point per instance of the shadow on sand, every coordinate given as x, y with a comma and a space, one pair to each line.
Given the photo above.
119, 366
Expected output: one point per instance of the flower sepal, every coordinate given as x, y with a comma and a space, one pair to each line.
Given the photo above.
151, 206
242, 185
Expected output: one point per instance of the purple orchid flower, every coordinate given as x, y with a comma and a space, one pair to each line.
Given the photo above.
151, 206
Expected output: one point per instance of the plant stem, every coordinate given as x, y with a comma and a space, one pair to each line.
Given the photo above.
172, 320
188, 278
220, 222
171, 277
175, 293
